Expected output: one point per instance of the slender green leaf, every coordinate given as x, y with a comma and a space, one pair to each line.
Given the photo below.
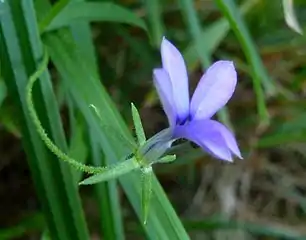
154, 15
141, 137
113, 172
94, 11
106, 193
3, 92
146, 180
56, 190
271, 230
77, 147
107, 197
55, 10
260, 76
195, 31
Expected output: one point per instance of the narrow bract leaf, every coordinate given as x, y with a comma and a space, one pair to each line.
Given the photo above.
112, 172
112, 132
141, 137
146, 181
95, 11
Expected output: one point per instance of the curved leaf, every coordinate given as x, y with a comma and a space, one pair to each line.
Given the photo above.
95, 12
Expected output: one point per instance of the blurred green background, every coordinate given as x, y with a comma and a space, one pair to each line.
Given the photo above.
103, 53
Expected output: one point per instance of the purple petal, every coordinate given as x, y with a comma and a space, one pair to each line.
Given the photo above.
163, 86
212, 136
214, 90
174, 64
228, 137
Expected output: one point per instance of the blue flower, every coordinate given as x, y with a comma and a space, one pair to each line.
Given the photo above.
192, 119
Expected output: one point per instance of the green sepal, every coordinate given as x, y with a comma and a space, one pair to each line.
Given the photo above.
112, 172
146, 188
141, 137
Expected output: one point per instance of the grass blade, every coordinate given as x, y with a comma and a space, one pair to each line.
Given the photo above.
94, 11
22, 51
279, 232
106, 193
259, 74
106, 196
195, 31
154, 15
54, 11
77, 147
3, 92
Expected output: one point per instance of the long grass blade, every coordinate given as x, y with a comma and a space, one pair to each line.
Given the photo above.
107, 196
259, 73
106, 193
22, 51
3, 92
94, 11
154, 15
194, 27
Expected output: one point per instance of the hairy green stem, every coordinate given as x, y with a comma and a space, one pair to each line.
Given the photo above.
41, 131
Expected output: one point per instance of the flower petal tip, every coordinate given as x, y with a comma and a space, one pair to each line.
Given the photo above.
239, 156
225, 64
228, 160
224, 157
164, 41
235, 151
